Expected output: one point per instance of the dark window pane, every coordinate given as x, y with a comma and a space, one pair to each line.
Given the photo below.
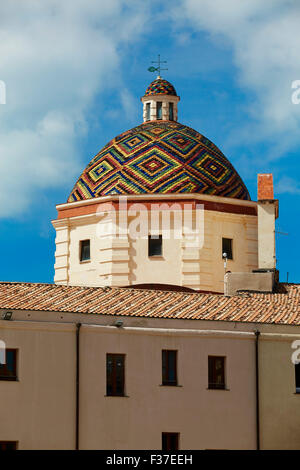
147, 111
8, 445
159, 110
155, 245
169, 367
216, 372
115, 373
170, 441
297, 377
8, 371
227, 247
85, 250
171, 112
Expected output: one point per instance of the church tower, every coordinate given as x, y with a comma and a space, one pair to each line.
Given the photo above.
126, 221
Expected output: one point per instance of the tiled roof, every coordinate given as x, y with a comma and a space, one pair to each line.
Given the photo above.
282, 308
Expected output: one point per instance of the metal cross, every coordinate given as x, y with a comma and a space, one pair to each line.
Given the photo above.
158, 68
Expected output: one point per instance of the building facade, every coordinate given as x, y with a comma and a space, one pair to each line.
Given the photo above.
166, 327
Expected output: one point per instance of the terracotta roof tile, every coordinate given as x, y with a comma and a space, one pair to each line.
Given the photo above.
281, 308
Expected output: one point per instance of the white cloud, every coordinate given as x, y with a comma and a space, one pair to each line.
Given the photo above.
265, 40
287, 185
55, 57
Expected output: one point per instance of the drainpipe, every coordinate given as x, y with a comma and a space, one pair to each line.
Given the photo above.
78, 325
257, 333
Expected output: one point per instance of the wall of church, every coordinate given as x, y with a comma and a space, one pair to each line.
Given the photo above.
124, 261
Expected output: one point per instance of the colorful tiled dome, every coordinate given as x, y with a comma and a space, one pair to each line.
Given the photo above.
159, 157
160, 87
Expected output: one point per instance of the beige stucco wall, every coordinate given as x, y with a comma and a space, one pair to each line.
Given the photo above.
124, 261
38, 409
205, 419
279, 404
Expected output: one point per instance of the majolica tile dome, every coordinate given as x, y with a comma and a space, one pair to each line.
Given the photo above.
160, 87
159, 157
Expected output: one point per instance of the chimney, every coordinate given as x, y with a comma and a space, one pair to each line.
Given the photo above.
267, 211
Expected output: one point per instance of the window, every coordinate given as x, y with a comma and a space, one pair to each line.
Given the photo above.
115, 375
169, 367
216, 372
170, 441
171, 111
159, 110
297, 377
8, 445
227, 247
85, 254
155, 245
8, 371
147, 111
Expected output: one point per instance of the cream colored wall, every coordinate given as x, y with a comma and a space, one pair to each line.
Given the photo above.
38, 409
206, 419
266, 214
121, 262
279, 404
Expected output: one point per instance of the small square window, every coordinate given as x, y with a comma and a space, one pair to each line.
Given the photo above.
169, 367
170, 441
8, 371
297, 377
155, 245
115, 375
8, 445
85, 252
227, 247
159, 110
216, 372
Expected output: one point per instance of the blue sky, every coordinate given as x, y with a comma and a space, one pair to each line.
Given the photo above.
75, 72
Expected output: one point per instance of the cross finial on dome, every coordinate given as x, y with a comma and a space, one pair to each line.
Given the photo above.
158, 68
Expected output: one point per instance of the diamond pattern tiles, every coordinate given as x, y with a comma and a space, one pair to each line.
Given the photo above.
159, 157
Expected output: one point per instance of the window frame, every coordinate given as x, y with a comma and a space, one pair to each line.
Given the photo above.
165, 367
166, 441
159, 106
81, 242
11, 378
5, 443
171, 111
297, 369
224, 250
114, 392
212, 384
148, 111
151, 239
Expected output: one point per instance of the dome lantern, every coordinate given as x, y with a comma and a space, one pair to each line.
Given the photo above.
160, 101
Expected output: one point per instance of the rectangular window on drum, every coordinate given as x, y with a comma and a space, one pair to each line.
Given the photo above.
85, 250
159, 110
